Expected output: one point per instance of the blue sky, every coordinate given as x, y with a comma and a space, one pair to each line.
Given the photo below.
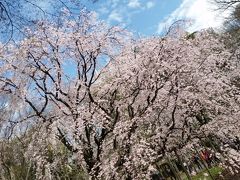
152, 17
141, 16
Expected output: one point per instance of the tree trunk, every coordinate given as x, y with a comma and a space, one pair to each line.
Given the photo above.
184, 169
175, 172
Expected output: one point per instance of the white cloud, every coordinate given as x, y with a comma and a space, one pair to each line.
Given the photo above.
134, 4
115, 16
149, 4
202, 13
114, 3
103, 10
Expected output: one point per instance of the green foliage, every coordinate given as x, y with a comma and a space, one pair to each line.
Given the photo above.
202, 117
191, 35
71, 172
215, 171
15, 165
211, 142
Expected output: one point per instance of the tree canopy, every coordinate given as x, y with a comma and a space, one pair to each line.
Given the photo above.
84, 99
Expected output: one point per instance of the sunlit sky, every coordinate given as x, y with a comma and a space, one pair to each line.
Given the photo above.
151, 17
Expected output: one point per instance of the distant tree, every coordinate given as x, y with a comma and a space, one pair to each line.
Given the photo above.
232, 23
225, 4
233, 26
